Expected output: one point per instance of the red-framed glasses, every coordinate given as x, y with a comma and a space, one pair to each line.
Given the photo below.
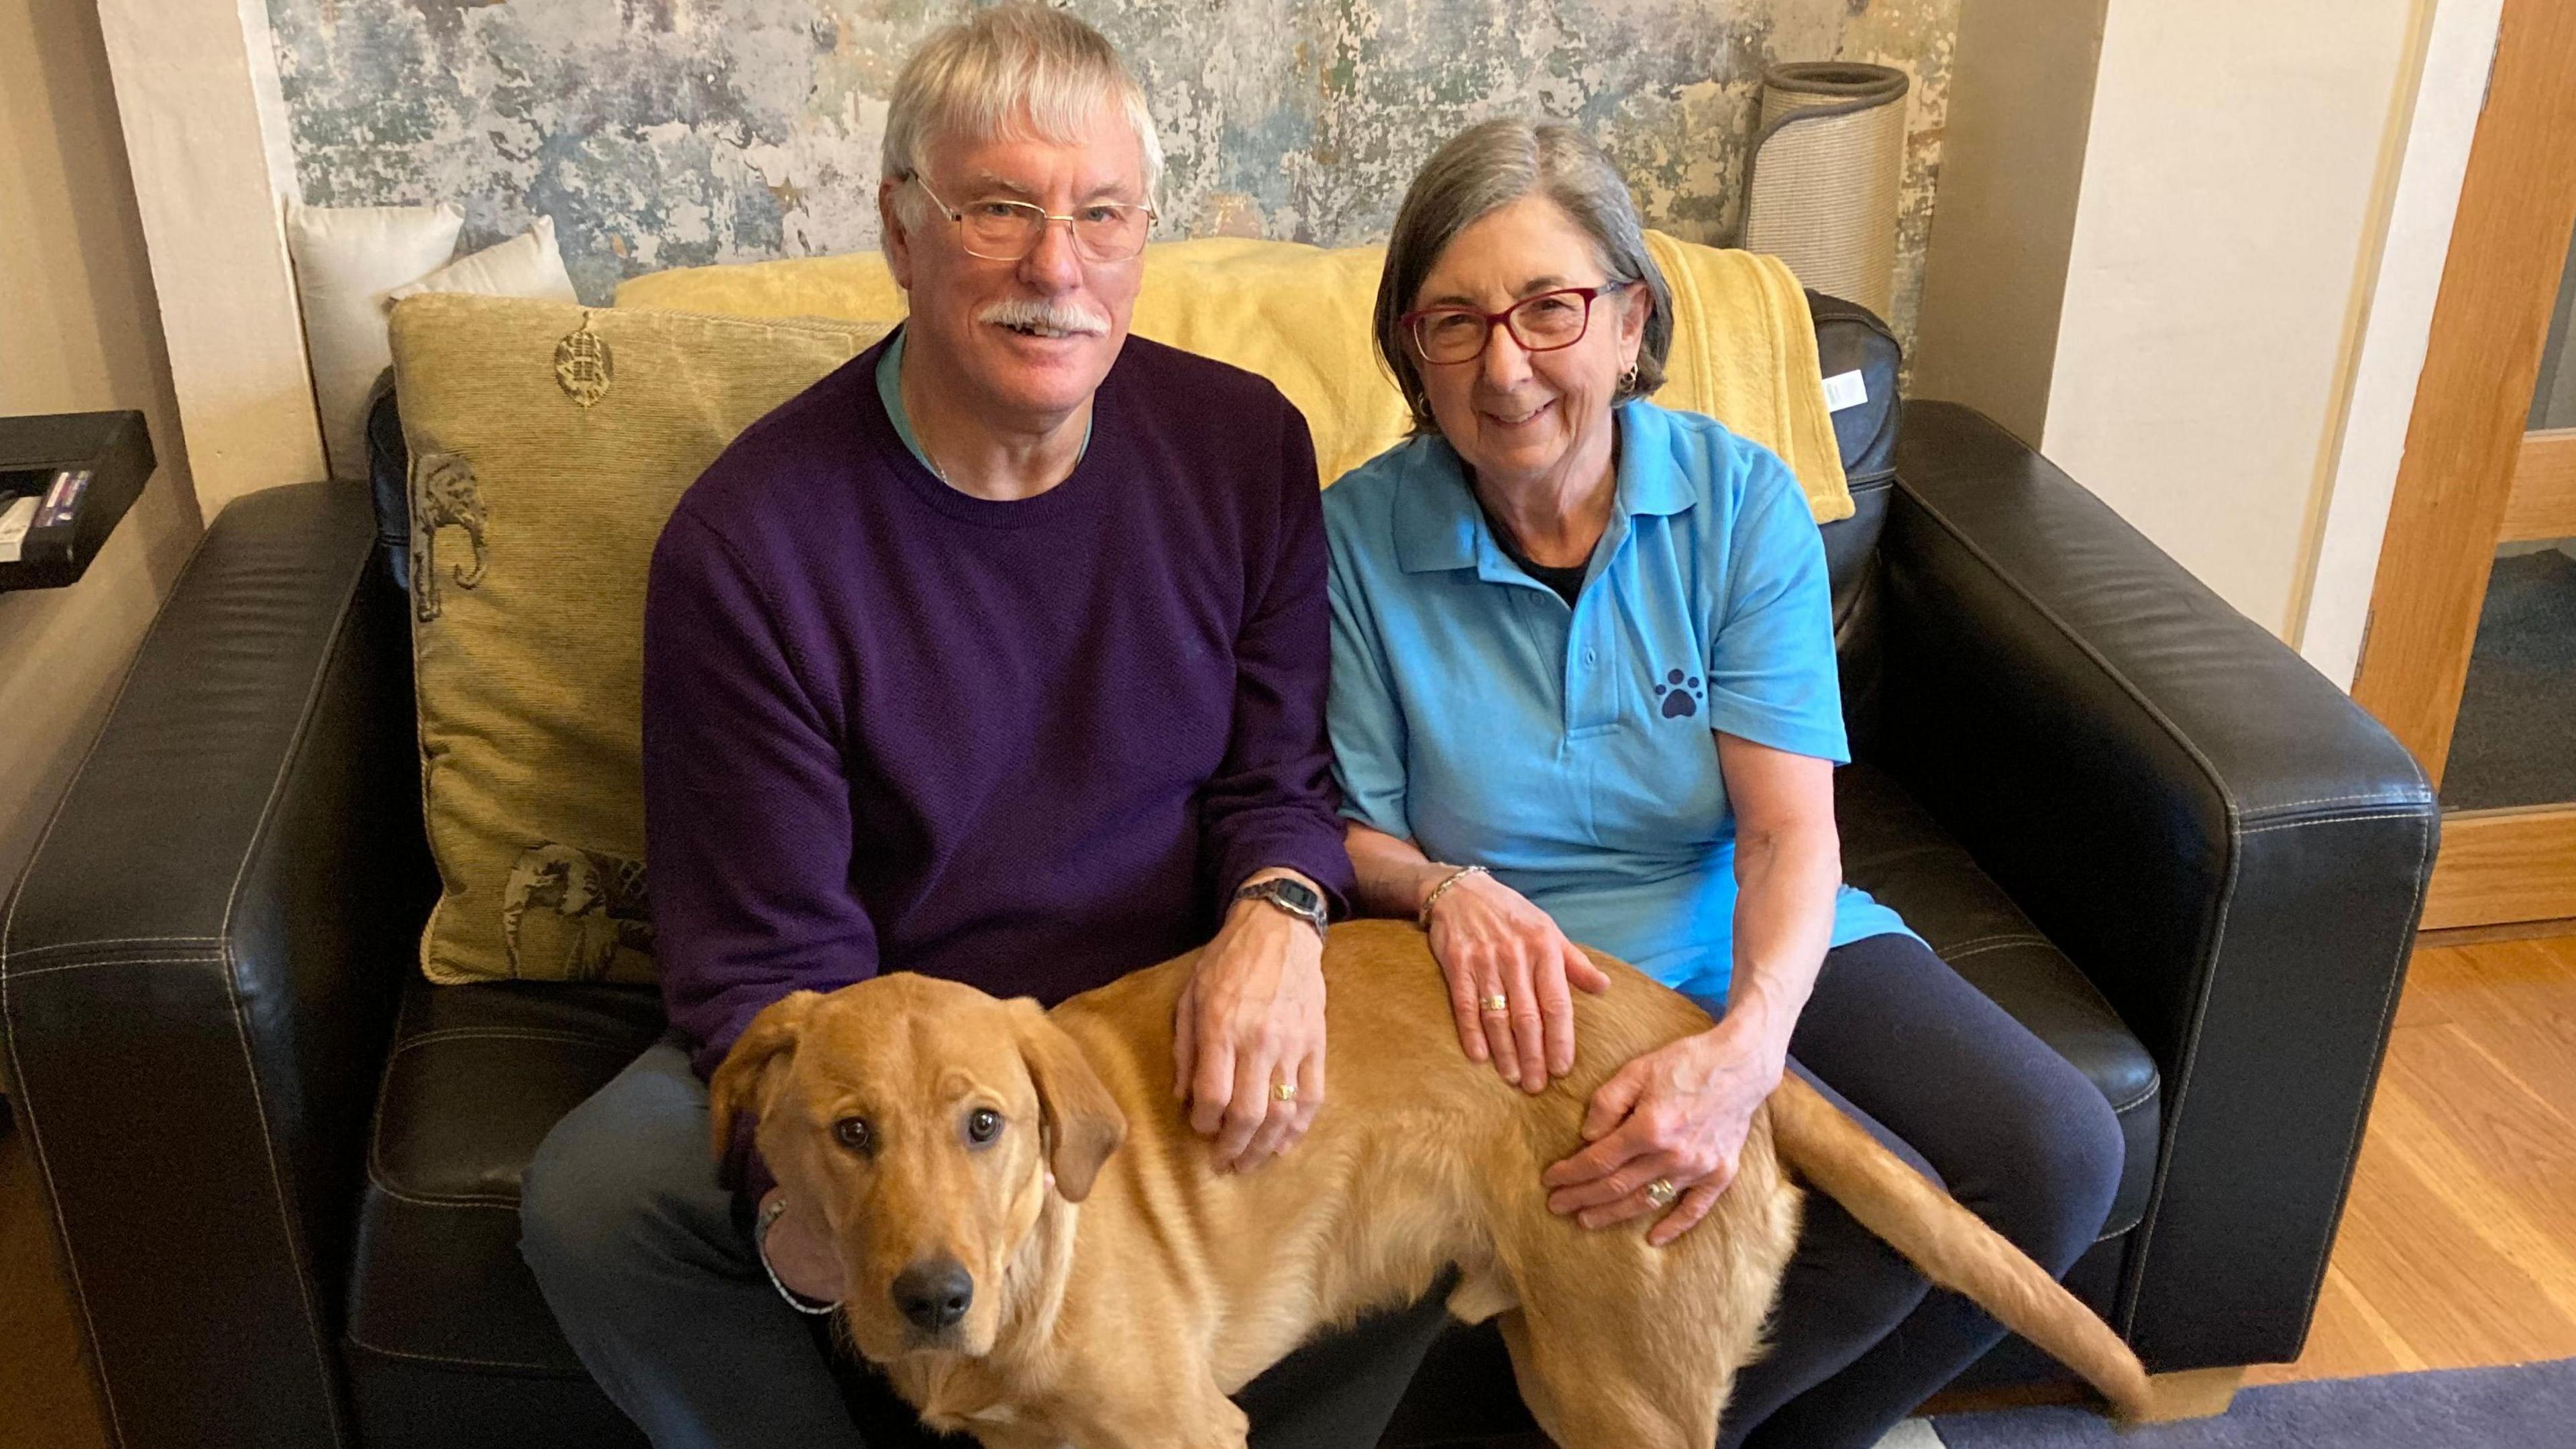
1542, 323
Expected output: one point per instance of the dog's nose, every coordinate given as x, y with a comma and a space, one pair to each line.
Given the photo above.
934, 1295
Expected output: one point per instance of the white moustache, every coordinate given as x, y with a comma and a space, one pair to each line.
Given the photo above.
1044, 318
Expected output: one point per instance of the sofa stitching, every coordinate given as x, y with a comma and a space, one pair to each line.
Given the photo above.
2155, 1084
1991, 938
2387, 1010
1954, 956
2376, 797
488, 1033
2182, 1088
377, 1175
329, 657
441, 1200
384, 1090
60, 947
26, 1112
550, 1372
212, 958
2331, 820
25, 1106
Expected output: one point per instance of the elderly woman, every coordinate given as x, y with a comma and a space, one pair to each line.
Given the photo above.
1584, 689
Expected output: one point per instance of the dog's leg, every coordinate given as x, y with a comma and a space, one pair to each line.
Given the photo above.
1144, 1417
1615, 1342
1587, 1390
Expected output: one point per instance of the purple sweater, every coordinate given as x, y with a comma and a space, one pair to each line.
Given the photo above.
1031, 746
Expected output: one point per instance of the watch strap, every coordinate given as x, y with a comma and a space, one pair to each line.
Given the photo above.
1275, 892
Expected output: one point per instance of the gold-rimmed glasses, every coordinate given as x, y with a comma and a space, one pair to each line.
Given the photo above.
1540, 323
1007, 231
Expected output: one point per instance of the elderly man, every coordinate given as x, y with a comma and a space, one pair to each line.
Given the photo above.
998, 654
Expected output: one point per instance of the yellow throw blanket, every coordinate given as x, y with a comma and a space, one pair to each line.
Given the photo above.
1744, 348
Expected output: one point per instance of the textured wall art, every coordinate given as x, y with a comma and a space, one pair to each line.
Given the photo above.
662, 133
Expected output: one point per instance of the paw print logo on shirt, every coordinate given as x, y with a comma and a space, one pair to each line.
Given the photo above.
1680, 694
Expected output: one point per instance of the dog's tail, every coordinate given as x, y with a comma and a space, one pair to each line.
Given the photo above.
1951, 1245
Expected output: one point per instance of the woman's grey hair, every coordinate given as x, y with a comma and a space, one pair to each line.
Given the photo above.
1011, 70
1483, 169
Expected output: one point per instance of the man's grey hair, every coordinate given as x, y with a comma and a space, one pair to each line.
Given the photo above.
1483, 169
1012, 70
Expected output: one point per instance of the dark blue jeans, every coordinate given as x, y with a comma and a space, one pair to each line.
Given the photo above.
648, 1265
1953, 1084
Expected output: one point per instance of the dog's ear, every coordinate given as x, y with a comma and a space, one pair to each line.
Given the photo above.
1082, 1122
742, 1083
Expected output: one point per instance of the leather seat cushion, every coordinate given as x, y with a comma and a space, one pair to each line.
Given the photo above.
476, 1078
1893, 850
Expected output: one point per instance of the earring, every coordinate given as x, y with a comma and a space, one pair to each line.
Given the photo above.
1628, 379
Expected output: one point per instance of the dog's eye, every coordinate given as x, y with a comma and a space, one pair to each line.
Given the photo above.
853, 1133
983, 1124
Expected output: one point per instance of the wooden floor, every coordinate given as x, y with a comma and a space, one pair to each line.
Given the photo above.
2458, 1245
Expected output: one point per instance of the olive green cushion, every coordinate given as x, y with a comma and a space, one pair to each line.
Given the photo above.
549, 444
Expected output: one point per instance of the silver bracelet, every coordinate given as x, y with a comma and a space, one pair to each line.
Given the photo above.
1422, 918
760, 1246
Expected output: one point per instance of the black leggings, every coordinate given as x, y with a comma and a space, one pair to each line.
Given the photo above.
1956, 1086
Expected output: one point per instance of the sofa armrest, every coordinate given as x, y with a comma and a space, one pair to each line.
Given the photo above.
2232, 850
199, 969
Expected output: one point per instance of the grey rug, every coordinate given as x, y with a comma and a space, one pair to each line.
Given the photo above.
2531, 1406
2516, 739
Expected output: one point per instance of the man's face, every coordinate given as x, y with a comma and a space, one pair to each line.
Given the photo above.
973, 314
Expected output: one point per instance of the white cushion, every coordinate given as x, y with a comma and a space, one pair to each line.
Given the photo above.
345, 259
527, 265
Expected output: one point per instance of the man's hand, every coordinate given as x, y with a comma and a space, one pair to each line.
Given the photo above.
1251, 1020
800, 1250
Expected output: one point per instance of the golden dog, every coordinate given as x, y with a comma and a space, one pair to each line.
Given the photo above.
1037, 1249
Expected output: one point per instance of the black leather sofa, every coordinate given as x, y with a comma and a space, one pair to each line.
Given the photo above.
285, 1169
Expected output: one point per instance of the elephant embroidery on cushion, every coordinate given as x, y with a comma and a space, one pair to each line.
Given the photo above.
443, 495
567, 913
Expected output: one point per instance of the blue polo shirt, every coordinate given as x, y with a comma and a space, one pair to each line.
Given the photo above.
1568, 749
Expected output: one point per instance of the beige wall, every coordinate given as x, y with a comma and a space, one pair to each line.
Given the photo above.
2203, 351
2457, 44
204, 131
1994, 281
2162, 273
81, 334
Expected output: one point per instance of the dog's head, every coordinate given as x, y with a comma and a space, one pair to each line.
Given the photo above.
928, 1121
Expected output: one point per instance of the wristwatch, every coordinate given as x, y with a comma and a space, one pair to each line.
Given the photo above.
1293, 896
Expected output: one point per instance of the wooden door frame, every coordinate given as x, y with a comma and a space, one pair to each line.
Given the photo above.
2455, 487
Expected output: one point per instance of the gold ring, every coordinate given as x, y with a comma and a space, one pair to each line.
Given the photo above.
1498, 1003
1285, 1091
1661, 1192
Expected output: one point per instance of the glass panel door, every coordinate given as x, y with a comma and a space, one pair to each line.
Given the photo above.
2515, 743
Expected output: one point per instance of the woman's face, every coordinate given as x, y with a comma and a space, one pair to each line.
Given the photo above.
1517, 416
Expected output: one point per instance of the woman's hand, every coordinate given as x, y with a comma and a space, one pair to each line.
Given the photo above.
1250, 1022
1676, 1115
1494, 945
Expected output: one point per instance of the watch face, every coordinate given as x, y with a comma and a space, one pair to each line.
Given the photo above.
1295, 896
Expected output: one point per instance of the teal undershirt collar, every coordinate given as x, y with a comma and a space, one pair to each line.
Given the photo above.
890, 392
